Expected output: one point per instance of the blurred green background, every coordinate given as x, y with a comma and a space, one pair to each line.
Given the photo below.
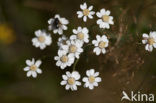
126, 66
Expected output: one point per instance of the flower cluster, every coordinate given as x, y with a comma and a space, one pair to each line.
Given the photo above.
71, 80
70, 49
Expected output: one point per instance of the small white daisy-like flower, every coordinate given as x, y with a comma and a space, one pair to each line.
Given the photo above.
62, 41
71, 80
58, 24
92, 79
105, 19
42, 39
149, 40
33, 67
64, 59
100, 44
86, 12
73, 47
81, 34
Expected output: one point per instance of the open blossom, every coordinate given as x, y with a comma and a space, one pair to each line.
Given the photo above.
73, 47
86, 12
105, 19
149, 40
100, 44
64, 59
92, 79
62, 41
32, 67
71, 80
81, 34
42, 39
58, 24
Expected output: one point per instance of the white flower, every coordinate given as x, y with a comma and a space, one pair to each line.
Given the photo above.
100, 44
33, 68
105, 20
81, 34
42, 39
71, 80
62, 41
92, 79
64, 59
58, 24
149, 40
86, 12
73, 47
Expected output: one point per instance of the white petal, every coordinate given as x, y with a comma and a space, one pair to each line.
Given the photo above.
154, 45
90, 16
39, 71
95, 84
96, 74
144, 41
107, 12
78, 83
85, 79
88, 73
29, 73
97, 50
102, 11
92, 71
63, 82
145, 35
68, 74
103, 50
34, 74
38, 63
64, 77
74, 87
98, 79
28, 62
91, 87
26, 68
80, 14
84, 18
67, 87
76, 75
90, 8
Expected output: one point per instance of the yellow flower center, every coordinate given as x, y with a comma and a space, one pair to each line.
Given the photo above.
64, 58
72, 49
33, 67
41, 39
80, 36
85, 12
102, 44
105, 18
91, 79
71, 81
151, 41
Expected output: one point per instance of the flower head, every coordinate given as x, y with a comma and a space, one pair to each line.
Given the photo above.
149, 40
58, 24
100, 44
32, 67
71, 80
42, 39
73, 47
92, 79
81, 34
64, 59
86, 12
105, 19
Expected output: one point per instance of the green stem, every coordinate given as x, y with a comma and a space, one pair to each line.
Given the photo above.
75, 64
